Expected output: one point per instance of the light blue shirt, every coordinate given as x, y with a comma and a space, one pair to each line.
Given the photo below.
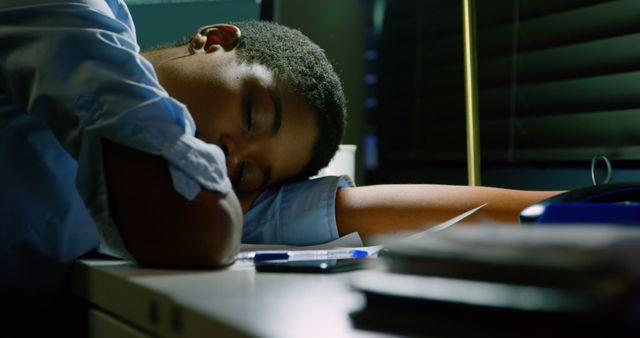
301, 213
76, 67
72, 64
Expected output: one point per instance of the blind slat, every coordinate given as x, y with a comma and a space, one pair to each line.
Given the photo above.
595, 22
580, 136
605, 92
576, 60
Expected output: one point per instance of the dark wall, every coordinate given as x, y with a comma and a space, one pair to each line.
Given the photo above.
163, 22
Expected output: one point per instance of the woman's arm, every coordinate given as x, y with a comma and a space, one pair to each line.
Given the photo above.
159, 226
377, 209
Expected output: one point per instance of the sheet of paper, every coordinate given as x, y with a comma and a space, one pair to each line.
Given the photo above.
351, 240
446, 224
347, 241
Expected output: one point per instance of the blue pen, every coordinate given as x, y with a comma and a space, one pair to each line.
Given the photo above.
310, 255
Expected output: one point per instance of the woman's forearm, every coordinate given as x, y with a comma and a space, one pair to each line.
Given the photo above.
160, 227
377, 209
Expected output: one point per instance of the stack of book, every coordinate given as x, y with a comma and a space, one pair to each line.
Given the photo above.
507, 281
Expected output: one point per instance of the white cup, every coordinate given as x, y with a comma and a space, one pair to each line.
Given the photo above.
343, 163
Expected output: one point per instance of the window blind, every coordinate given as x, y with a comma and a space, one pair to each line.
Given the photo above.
558, 81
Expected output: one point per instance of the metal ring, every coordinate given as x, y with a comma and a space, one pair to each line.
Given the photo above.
594, 161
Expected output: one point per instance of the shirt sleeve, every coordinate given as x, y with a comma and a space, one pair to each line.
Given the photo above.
82, 62
44, 225
300, 213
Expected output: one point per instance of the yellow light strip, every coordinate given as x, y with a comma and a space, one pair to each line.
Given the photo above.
471, 91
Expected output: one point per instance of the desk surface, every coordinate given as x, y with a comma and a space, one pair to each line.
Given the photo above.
236, 301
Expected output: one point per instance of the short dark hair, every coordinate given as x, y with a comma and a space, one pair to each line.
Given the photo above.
301, 66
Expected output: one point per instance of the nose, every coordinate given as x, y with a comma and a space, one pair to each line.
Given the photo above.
235, 150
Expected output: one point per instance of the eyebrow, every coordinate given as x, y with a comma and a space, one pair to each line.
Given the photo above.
277, 114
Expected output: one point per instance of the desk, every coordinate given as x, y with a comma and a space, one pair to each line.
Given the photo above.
234, 302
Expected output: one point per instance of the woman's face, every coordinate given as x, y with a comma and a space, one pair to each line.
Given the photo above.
267, 134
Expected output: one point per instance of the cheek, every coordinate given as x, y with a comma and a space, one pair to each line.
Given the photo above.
294, 149
215, 117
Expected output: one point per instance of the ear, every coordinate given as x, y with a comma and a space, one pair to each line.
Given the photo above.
210, 38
